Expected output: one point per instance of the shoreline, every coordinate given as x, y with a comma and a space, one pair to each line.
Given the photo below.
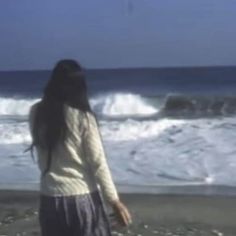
152, 213
172, 188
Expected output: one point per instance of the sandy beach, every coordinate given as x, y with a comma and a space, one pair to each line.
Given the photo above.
153, 214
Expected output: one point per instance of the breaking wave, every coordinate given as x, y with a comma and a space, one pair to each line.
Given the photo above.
136, 105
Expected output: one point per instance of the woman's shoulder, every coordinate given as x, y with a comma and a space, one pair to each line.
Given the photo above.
77, 112
72, 112
32, 111
34, 107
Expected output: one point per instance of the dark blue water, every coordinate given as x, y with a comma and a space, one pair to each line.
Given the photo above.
148, 82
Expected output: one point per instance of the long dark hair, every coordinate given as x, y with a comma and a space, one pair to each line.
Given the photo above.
66, 86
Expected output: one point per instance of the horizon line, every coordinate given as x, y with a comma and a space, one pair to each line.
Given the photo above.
130, 68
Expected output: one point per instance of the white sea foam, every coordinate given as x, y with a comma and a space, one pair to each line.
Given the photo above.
14, 133
14, 106
122, 104
200, 151
196, 151
133, 129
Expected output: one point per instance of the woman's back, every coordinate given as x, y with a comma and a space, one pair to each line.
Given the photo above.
71, 158
77, 160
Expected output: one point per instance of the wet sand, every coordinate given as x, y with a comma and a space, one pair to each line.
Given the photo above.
153, 214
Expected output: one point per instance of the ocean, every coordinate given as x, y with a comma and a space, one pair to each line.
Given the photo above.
166, 126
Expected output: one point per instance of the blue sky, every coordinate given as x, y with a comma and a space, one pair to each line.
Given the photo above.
117, 33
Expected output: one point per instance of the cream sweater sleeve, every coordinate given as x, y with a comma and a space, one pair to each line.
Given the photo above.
97, 159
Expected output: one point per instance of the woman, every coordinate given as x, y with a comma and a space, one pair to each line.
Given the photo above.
71, 159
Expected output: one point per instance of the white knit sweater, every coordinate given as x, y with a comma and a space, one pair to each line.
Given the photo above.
79, 163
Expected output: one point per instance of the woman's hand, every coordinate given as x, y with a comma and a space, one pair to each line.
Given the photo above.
122, 213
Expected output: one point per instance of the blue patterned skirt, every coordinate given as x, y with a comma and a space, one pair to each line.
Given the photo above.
79, 215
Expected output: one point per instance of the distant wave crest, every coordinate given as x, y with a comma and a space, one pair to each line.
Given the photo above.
15, 106
122, 105
199, 105
125, 105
